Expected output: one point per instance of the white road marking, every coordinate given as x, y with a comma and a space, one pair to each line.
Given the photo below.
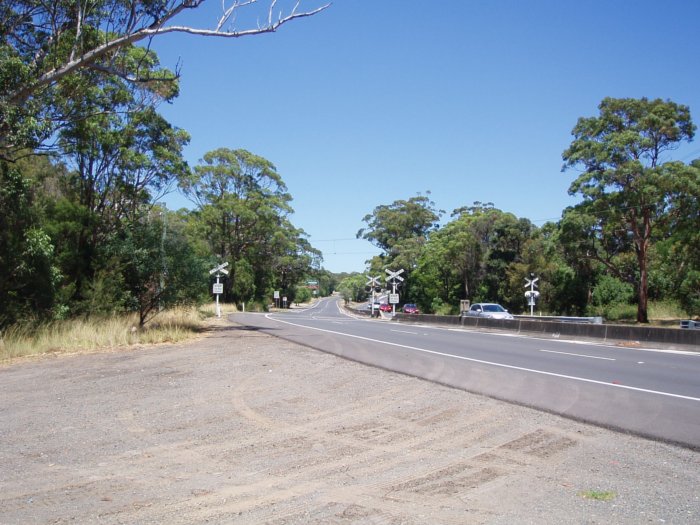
405, 332
573, 341
501, 365
579, 355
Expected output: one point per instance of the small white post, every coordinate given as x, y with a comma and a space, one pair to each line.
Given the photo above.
218, 309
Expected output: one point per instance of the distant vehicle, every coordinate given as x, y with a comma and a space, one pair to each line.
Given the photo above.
410, 308
489, 311
374, 308
385, 308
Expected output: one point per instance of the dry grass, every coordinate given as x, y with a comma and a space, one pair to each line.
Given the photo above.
94, 334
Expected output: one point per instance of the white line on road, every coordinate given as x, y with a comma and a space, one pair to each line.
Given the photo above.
578, 355
471, 359
405, 332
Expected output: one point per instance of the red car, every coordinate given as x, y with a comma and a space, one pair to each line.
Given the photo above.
386, 308
410, 308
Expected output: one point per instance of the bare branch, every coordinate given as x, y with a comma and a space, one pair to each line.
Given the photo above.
158, 28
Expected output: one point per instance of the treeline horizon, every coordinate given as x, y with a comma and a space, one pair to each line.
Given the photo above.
633, 238
85, 158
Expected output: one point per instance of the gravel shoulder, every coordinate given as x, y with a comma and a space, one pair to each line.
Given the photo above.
241, 427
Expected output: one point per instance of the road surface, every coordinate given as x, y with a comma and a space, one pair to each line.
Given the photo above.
651, 393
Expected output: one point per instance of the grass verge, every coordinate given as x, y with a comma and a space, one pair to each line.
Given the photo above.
96, 333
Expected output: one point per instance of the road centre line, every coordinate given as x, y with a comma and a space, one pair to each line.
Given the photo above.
481, 361
578, 355
404, 332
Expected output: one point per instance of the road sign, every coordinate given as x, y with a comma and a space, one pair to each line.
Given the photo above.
219, 269
393, 298
218, 288
394, 275
373, 282
531, 282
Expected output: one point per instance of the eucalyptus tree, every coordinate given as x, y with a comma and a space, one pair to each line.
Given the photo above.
45, 43
243, 204
122, 156
452, 264
626, 186
400, 230
388, 226
290, 258
471, 256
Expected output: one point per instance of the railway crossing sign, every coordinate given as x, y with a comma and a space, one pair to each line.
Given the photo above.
531, 294
373, 282
219, 269
394, 276
218, 287
531, 283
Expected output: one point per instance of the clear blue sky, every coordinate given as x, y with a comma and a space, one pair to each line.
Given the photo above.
374, 101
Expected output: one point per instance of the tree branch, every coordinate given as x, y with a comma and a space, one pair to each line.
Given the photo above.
155, 29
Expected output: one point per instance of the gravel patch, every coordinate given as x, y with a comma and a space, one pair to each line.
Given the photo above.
241, 427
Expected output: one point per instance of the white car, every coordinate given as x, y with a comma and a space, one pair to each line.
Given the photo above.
489, 311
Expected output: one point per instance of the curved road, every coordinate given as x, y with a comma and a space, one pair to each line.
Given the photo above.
653, 393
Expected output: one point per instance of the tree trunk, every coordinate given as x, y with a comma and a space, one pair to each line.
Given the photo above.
643, 292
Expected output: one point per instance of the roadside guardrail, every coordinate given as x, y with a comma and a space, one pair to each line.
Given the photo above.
669, 337
561, 319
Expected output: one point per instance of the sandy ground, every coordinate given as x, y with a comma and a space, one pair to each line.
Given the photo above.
240, 427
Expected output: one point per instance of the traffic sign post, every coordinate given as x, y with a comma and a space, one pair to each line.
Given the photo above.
218, 288
531, 294
394, 278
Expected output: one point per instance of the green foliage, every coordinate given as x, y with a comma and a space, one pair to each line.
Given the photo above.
243, 206
628, 192
28, 275
49, 49
689, 293
476, 256
610, 290
352, 288
302, 294
156, 267
82, 236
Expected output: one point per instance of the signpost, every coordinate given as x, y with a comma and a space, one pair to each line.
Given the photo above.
394, 278
532, 294
218, 286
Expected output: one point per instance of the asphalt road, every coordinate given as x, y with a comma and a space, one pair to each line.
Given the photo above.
647, 392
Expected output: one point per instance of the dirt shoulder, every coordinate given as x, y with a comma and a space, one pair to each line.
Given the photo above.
240, 427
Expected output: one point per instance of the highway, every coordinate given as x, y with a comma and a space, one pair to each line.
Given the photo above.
647, 392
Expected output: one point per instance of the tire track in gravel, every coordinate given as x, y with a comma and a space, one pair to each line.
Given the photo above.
243, 428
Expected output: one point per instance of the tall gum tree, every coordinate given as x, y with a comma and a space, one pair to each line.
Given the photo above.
243, 204
625, 184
